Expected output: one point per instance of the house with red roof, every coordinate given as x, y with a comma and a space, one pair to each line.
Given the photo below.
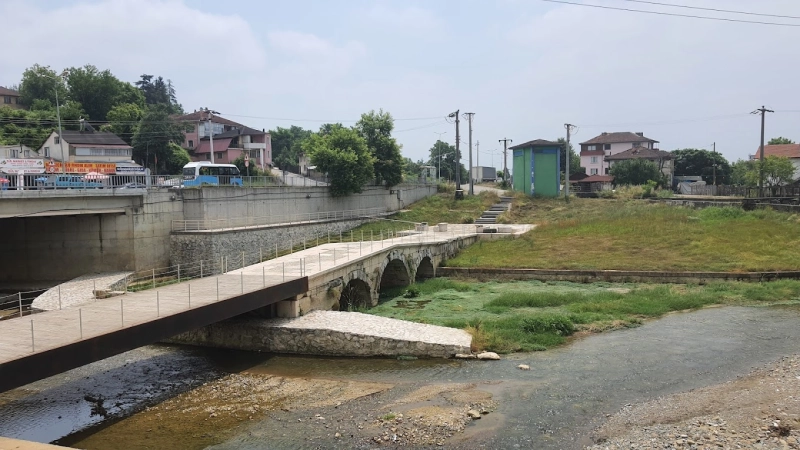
230, 140
791, 151
594, 151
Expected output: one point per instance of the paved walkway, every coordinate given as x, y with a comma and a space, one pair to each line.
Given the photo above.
79, 290
23, 336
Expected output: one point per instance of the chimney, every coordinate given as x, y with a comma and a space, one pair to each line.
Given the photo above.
604, 133
640, 133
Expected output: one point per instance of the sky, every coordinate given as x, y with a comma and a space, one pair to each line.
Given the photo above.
524, 67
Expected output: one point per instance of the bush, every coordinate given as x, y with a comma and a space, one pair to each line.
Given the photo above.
647, 189
607, 194
664, 193
548, 323
411, 292
445, 188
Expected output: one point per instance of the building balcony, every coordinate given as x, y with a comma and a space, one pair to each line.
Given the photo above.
255, 146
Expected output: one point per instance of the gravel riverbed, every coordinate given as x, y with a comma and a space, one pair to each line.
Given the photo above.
757, 411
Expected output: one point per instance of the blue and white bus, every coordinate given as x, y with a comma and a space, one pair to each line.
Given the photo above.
204, 173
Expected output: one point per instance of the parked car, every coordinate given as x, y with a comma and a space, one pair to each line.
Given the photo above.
132, 186
67, 182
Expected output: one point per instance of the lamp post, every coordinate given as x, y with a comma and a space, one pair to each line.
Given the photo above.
439, 170
211, 132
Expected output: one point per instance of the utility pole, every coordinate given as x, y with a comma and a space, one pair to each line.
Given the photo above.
60, 136
471, 178
763, 112
478, 155
211, 131
459, 193
505, 157
569, 128
439, 170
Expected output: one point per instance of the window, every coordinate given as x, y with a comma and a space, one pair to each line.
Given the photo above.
47, 152
57, 140
591, 148
208, 156
637, 144
7, 99
191, 143
606, 170
607, 147
218, 155
592, 171
594, 159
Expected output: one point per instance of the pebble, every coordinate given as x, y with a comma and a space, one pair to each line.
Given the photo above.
488, 356
524, 367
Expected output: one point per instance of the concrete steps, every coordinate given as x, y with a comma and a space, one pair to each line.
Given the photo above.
489, 217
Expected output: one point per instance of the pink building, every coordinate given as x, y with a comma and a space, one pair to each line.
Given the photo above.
231, 140
595, 150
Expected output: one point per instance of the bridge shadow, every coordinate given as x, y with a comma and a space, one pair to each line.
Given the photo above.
425, 270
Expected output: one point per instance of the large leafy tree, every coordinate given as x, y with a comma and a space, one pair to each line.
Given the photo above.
412, 170
778, 171
123, 120
99, 91
343, 154
153, 137
698, 162
739, 173
286, 146
574, 159
780, 140
443, 157
42, 83
636, 172
376, 128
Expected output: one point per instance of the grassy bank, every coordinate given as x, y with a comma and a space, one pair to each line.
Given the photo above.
437, 208
531, 315
638, 235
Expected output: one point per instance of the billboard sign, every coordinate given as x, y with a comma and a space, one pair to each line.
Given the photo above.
21, 166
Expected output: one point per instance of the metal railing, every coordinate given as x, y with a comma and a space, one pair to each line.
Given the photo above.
250, 221
747, 192
18, 304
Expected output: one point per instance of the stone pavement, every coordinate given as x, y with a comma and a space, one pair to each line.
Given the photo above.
79, 290
334, 333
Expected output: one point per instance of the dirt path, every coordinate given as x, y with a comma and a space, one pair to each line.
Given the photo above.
760, 410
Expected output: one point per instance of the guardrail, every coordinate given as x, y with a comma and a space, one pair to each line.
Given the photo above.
747, 192
250, 221
19, 304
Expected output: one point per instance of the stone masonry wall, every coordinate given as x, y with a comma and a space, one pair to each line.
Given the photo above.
190, 247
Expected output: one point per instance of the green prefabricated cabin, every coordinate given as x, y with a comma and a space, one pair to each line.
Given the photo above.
537, 168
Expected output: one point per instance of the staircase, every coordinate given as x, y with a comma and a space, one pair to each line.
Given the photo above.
489, 217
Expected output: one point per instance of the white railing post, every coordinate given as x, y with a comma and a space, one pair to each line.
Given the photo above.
94, 289
80, 322
121, 313
190, 295
154, 278
217, 288
260, 254
59, 295
19, 297
284, 270
276, 250
179, 273
158, 304
201, 268
33, 343
242, 260
263, 276
241, 273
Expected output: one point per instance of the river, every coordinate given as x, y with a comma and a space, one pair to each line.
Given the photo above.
556, 404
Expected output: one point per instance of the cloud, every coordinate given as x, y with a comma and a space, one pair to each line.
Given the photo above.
130, 37
411, 18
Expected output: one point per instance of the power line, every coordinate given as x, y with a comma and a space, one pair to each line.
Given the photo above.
730, 11
661, 13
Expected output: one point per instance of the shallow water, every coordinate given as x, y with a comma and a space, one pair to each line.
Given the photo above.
554, 405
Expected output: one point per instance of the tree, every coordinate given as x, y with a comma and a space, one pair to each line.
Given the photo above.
252, 171
124, 120
286, 146
156, 91
151, 141
376, 128
739, 171
342, 154
98, 91
698, 162
779, 141
636, 172
574, 159
41, 83
778, 171
178, 158
412, 170
446, 168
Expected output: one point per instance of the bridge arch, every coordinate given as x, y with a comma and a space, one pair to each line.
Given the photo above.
394, 274
355, 294
425, 269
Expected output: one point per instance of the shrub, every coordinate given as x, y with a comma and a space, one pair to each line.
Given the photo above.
607, 194
411, 292
548, 323
647, 189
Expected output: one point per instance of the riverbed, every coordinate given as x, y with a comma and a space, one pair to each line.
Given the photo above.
171, 397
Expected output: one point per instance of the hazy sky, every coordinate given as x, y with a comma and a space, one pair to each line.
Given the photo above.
525, 67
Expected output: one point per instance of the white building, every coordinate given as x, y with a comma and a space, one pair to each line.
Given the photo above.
595, 150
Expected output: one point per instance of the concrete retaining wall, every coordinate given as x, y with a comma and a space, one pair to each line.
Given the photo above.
624, 276
232, 202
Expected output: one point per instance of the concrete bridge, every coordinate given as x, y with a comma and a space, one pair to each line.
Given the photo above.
330, 276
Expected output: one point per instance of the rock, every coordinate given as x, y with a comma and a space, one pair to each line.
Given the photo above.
488, 356
524, 367
465, 356
473, 414
337, 435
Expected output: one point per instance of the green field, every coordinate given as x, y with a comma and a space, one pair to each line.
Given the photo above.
532, 315
639, 235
